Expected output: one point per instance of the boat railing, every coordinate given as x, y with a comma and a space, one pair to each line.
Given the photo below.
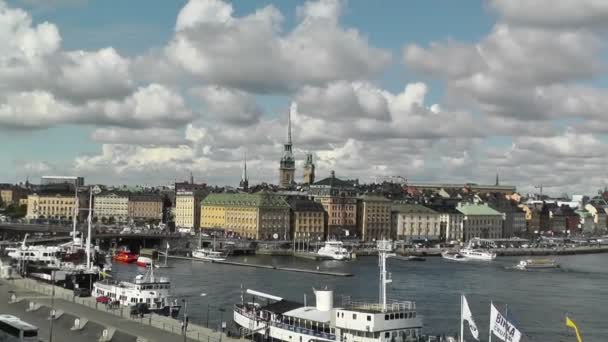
250, 314
394, 306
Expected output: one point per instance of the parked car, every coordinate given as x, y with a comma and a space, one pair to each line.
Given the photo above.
103, 299
82, 292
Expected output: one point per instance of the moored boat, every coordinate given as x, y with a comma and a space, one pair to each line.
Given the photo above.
334, 250
126, 257
477, 254
536, 264
146, 290
208, 254
143, 261
454, 256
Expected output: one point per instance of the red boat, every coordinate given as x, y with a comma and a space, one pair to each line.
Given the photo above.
126, 257
143, 261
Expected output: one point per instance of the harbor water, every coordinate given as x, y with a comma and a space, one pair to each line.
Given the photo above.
537, 300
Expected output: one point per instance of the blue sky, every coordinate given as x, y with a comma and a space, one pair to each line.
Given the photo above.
469, 66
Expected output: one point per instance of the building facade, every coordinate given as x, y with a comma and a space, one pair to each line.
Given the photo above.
415, 222
142, 206
339, 199
374, 217
450, 221
188, 198
599, 217
287, 166
260, 216
11, 194
111, 207
308, 220
57, 205
73, 180
309, 170
480, 221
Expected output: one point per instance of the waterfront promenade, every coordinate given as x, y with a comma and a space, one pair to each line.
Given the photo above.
117, 322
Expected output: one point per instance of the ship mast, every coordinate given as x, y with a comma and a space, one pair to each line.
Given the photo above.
89, 229
385, 248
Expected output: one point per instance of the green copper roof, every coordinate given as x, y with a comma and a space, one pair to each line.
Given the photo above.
264, 200
477, 209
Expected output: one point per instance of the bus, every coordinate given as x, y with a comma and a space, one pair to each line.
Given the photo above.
13, 329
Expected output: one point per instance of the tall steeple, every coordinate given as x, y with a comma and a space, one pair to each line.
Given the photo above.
244, 184
497, 183
287, 167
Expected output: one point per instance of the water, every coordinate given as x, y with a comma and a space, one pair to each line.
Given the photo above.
537, 300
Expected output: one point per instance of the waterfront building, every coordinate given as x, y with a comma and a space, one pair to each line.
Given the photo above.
57, 203
145, 206
374, 217
338, 197
309, 170
585, 223
73, 180
450, 221
480, 221
111, 206
599, 217
11, 194
260, 216
505, 189
188, 198
514, 223
287, 168
308, 220
415, 222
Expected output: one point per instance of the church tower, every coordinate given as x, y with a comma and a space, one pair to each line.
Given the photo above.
244, 184
287, 167
309, 170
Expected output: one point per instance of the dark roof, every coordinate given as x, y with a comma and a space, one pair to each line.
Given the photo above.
152, 197
333, 182
190, 186
444, 209
6, 186
305, 205
282, 306
117, 193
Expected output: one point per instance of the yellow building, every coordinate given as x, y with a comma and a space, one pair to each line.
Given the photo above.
254, 216
188, 204
55, 205
111, 206
374, 217
308, 220
11, 194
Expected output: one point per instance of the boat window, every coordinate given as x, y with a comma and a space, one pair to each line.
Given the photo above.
392, 316
387, 334
369, 318
402, 315
354, 316
338, 314
386, 317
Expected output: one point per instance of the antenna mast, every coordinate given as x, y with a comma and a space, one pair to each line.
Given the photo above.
385, 248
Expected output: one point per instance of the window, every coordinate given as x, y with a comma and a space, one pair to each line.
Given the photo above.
369, 318
387, 334
354, 316
386, 317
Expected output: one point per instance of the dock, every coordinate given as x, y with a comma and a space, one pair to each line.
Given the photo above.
268, 267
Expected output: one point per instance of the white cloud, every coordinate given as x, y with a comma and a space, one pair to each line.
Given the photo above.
231, 106
251, 52
146, 136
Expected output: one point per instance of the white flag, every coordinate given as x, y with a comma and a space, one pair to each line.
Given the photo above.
468, 316
503, 328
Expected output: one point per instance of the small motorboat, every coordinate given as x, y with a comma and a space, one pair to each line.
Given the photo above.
536, 264
453, 256
143, 261
126, 257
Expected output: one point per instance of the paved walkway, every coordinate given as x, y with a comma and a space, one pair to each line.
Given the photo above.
150, 328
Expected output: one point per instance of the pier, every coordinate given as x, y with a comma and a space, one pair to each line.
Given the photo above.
268, 267
31, 301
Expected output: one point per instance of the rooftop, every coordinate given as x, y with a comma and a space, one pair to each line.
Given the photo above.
310, 313
477, 209
406, 208
306, 205
281, 306
259, 199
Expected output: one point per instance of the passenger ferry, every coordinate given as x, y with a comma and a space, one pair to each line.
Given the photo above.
334, 250
275, 318
477, 254
146, 289
208, 254
12, 328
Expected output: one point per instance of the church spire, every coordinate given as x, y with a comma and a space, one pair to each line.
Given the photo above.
244, 184
293, 108
497, 183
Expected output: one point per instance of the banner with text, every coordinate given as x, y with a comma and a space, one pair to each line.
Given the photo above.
502, 328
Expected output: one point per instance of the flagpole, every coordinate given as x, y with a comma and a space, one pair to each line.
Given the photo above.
490, 328
461, 320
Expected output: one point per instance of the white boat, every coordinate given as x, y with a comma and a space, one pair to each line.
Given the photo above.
146, 289
477, 254
334, 250
454, 256
208, 254
143, 261
536, 264
275, 318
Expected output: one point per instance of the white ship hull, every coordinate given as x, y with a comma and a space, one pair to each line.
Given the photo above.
208, 255
474, 254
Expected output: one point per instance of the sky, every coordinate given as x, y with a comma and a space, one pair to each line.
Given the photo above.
147, 91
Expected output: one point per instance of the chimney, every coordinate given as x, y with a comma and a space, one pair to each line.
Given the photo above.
332, 174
